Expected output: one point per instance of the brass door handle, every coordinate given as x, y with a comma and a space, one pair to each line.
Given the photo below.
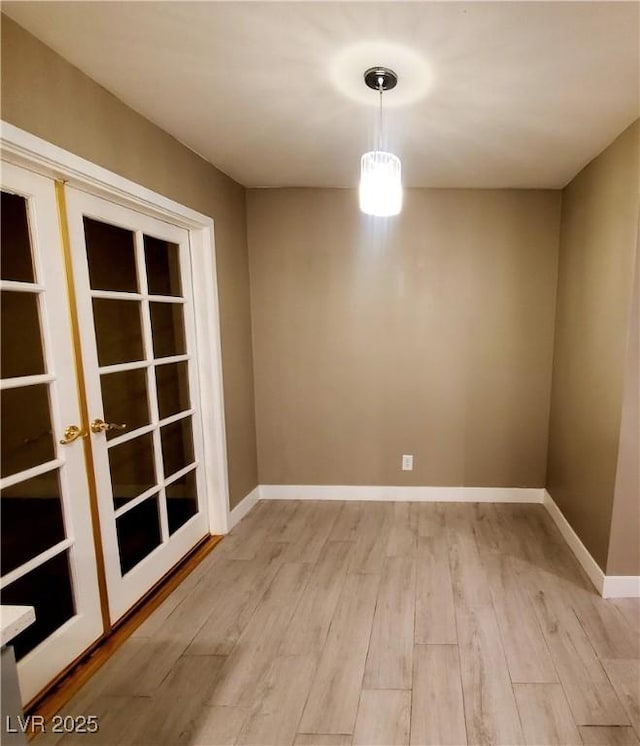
71, 433
100, 426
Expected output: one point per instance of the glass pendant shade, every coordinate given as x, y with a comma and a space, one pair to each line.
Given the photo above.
380, 184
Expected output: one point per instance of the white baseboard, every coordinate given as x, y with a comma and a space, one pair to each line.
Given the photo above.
621, 586
589, 565
608, 586
243, 507
401, 493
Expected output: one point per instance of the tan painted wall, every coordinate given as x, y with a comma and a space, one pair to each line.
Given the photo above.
44, 94
624, 542
600, 211
430, 333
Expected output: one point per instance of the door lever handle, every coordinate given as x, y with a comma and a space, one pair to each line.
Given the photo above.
100, 426
71, 433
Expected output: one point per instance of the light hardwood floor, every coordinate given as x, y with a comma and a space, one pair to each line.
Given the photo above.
327, 624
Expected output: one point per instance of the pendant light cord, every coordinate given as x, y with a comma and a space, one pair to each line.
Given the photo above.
381, 89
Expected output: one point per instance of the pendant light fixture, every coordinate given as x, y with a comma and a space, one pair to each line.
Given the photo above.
380, 172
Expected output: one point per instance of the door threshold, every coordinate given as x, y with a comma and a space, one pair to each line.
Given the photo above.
58, 692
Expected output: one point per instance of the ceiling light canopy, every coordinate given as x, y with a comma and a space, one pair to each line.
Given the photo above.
380, 172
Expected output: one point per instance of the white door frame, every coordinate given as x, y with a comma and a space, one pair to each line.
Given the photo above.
27, 150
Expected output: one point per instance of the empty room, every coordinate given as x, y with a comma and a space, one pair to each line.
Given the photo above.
320, 376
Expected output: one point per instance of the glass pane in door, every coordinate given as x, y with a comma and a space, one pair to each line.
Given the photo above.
27, 435
20, 330
162, 262
111, 257
177, 445
118, 331
172, 384
15, 245
32, 509
182, 500
132, 468
49, 590
125, 399
138, 533
167, 329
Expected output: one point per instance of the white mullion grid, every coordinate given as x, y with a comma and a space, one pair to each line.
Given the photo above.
115, 295
172, 359
34, 471
125, 437
122, 367
22, 287
48, 324
154, 490
31, 564
167, 299
38, 247
185, 470
184, 265
175, 417
151, 383
136, 364
136, 501
14, 383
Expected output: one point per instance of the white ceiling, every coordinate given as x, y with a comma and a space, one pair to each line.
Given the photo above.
491, 94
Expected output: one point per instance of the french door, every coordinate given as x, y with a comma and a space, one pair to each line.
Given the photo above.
135, 309
48, 556
102, 459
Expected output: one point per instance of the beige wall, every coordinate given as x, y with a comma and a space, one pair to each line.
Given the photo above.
600, 211
624, 543
47, 96
430, 333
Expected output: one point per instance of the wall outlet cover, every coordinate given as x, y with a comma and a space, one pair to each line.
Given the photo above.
407, 462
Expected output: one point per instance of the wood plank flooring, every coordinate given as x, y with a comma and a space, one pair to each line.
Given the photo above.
332, 624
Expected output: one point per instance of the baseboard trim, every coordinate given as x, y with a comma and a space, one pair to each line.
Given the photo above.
243, 507
608, 586
582, 554
401, 493
621, 586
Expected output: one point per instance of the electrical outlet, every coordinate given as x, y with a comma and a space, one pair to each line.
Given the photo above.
407, 462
